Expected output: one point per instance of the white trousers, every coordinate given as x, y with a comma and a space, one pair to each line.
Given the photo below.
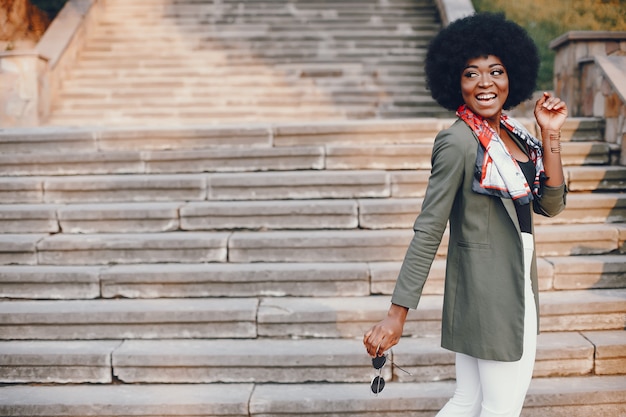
487, 388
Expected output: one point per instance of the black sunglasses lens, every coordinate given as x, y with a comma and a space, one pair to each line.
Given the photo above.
378, 384
379, 361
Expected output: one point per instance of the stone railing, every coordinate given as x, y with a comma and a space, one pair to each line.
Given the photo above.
590, 75
30, 79
451, 10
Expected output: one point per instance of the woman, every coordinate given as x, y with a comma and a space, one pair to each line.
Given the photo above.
488, 174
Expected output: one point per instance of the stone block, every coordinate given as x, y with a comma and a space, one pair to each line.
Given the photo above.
563, 240
361, 132
587, 153
127, 400
268, 215
19, 249
49, 282
126, 188
582, 129
21, 190
563, 354
103, 249
607, 178
259, 361
173, 138
71, 163
298, 185
341, 317
610, 355
129, 319
119, 217
394, 213
586, 272
60, 362
379, 157
235, 160
409, 184
600, 309
385, 274
319, 246
590, 208
47, 140
235, 280
28, 218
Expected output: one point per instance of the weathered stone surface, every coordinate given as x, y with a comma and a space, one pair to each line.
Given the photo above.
127, 400
341, 317
134, 319
583, 310
172, 138
119, 217
590, 208
235, 160
409, 184
379, 157
235, 280
583, 272
389, 213
47, 139
19, 248
49, 282
385, 274
21, 190
563, 354
125, 188
587, 153
610, 352
86, 163
56, 361
323, 214
605, 178
28, 218
102, 249
319, 246
298, 185
563, 240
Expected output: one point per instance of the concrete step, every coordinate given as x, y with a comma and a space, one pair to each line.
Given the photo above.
272, 246
129, 319
574, 397
273, 279
276, 317
265, 360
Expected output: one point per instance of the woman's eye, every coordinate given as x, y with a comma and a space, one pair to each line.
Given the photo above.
471, 74
497, 72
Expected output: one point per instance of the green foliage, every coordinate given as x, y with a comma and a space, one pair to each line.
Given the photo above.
51, 7
546, 21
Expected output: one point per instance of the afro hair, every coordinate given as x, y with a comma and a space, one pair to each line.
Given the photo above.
475, 36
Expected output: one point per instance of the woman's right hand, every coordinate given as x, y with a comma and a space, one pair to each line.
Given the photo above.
386, 334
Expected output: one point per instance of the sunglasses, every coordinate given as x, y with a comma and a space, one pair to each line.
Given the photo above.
378, 383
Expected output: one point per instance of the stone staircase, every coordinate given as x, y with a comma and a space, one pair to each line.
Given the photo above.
232, 270
158, 62
167, 258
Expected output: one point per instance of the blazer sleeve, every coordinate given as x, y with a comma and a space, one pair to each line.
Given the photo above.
552, 200
443, 184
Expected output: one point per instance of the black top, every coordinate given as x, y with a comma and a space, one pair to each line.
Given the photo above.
523, 211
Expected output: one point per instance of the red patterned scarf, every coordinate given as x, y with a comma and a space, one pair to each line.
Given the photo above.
500, 174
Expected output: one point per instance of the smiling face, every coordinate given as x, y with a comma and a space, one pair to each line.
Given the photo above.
485, 87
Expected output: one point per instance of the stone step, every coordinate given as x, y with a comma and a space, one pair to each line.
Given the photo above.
276, 317
351, 317
272, 246
349, 133
573, 396
266, 360
392, 213
289, 185
332, 157
273, 279
129, 319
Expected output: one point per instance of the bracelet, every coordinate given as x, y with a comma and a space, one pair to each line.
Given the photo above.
555, 137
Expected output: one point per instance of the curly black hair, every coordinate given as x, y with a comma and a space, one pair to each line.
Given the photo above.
475, 36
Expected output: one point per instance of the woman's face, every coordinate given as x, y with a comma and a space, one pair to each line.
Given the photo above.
485, 87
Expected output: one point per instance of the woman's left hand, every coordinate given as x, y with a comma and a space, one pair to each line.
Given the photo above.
550, 112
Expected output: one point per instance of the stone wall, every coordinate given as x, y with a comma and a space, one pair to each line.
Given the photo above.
590, 75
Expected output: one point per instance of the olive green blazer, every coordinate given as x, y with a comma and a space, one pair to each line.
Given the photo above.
483, 311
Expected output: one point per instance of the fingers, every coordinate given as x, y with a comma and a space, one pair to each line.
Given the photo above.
550, 103
377, 341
